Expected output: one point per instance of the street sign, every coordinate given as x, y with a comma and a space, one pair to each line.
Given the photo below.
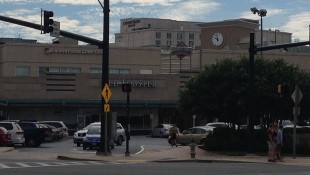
106, 107
297, 95
106, 93
56, 29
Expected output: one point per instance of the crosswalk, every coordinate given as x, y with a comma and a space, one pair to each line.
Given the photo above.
13, 165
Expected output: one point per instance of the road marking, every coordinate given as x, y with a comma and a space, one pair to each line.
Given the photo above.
52, 164
23, 165
4, 166
141, 150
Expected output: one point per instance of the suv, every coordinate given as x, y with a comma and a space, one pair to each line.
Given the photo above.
57, 124
119, 138
17, 134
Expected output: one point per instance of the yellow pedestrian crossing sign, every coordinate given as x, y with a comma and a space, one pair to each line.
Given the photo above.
106, 107
106, 93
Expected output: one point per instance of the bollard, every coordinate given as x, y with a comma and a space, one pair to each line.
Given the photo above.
192, 146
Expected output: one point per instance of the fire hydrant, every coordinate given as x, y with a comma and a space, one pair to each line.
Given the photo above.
192, 146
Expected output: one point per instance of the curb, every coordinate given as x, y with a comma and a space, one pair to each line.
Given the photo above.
6, 149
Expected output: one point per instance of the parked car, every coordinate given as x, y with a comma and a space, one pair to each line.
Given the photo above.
5, 137
92, 138
212, 125
34, 135
119, 138
79, 135
52, 133
17, 134
198, 134
161, 130
58, 124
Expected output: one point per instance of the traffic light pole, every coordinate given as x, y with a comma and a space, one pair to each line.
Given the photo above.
105, 76
127, 153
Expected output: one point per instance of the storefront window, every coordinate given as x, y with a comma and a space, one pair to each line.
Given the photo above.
22, 71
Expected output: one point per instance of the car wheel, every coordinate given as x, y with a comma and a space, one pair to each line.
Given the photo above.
119, 140
78, 144
31, 142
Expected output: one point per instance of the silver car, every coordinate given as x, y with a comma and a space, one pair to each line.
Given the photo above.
17, 134
161, 130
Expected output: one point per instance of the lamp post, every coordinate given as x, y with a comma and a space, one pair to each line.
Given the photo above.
262, 13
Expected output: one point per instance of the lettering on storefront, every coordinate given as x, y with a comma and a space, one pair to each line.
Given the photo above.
72, 51
134, 83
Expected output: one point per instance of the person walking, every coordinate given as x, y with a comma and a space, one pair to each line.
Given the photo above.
174, 132
271, 144
279, 142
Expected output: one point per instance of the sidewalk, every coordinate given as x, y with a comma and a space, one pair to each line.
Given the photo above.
176, 154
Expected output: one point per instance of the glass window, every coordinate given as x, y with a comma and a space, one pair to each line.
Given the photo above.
158, 43
179, 36
22, 71
169, 35
168, 43
113, 71
158, 35
124, 71
191, 36
146, 71
54, 69
95, 70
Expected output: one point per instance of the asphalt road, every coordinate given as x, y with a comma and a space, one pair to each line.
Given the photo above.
185, 168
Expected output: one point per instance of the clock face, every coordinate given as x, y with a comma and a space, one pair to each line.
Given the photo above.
217, 39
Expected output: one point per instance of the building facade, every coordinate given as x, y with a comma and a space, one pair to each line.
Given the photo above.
63, 81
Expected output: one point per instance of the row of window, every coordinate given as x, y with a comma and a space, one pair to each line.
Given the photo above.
191, 36
24, 71
169, 43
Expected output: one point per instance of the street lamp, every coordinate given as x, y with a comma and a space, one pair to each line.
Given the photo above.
262, 13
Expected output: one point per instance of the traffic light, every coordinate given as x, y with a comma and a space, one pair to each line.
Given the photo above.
282, 89
126, 88
48, 22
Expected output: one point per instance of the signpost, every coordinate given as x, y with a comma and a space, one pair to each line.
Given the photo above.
296, 96
106, 94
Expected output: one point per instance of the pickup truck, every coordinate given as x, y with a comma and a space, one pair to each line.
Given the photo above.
34, 135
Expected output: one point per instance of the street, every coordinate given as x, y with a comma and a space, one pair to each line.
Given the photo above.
109, 168
43, 160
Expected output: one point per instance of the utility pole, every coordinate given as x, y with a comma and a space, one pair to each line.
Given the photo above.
105, 76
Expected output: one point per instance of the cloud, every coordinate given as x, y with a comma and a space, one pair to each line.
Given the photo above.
298, 25
270, 13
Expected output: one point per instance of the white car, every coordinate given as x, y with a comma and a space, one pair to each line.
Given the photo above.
119, 138
161, 130
17, 134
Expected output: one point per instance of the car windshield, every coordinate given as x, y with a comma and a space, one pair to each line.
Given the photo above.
94, 130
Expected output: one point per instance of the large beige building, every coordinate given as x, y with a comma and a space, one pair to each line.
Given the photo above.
63, 81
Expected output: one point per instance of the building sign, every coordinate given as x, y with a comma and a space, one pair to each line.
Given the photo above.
131, 23
181, 50
72, 51
134, 83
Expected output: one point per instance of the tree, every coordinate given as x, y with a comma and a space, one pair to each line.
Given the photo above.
221, 91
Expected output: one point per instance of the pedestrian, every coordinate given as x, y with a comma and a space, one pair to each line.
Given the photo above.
174, 132
279, 142
270, 142
274, 134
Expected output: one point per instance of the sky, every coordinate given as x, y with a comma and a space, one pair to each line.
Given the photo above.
85, 17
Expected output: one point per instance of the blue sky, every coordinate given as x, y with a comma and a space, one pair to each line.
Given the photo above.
85, 16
